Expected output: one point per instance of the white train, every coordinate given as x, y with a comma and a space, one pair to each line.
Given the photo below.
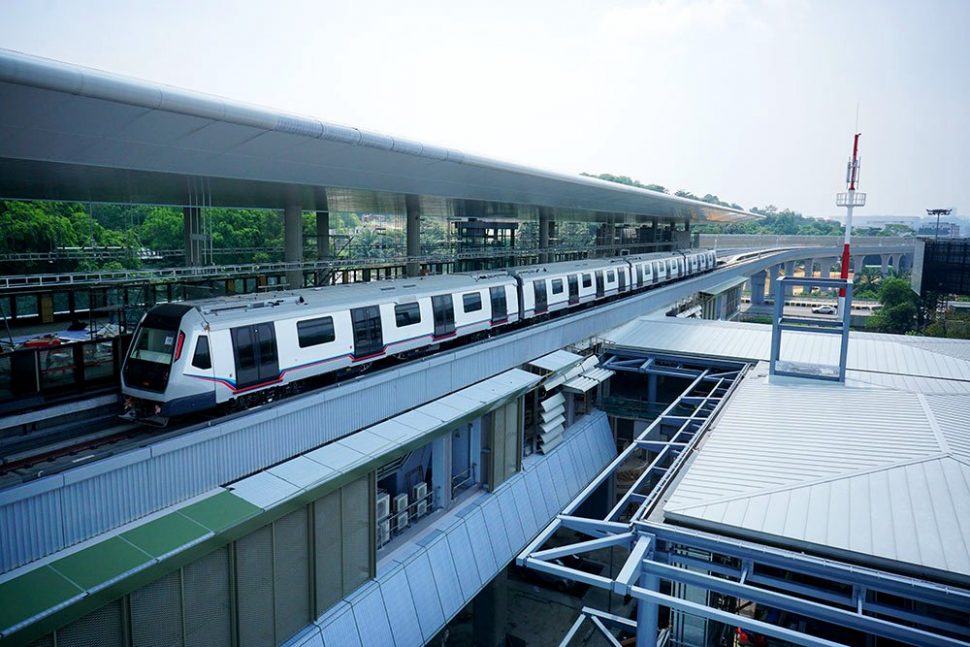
196, 355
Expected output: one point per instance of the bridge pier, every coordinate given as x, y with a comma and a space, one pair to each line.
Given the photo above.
293, 242
192, 231
858, 264
789, 271
825, 267
412, 205
757, 283
884, 264
772, 277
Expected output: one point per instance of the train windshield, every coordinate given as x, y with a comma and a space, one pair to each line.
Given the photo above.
154, 345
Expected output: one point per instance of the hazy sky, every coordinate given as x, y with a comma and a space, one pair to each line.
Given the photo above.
754, 101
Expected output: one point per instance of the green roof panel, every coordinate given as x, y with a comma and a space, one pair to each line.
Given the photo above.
33, 592
100, 562
165, 534
221, 511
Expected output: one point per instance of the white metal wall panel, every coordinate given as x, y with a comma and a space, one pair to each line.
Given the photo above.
370, 616
445, 576
536, 498
401, 614
466, 566
495, 526
510, 517
424, 592
340, 630
482, 547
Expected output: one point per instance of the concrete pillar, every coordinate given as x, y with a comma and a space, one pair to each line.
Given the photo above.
192, 235
757, 283
858, 264
293, 242
490, 612
895, 261
413, 207
904, 261
825, 268
544, 221
809, 268
441, 471
884, 267
789, 271
772, 276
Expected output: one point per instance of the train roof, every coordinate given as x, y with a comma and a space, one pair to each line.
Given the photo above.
293, 303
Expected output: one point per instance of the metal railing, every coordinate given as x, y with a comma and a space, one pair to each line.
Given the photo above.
463, 480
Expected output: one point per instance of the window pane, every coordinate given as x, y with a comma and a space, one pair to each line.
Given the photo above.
201, 358
154, 345
472, 301
407, 314
587, 280
315, 331
557, 286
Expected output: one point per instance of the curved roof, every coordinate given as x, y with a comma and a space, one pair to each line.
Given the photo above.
74, 133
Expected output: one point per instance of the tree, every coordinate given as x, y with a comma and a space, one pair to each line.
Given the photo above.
899, 308
624, 179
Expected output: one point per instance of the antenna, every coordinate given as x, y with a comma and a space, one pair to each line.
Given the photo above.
849, 200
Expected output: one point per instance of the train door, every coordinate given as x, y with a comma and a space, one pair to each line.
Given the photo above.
254, 348
443, 307
573, 283
621, 275
542, 302
368, 335
500, 306
600, 284
639, 274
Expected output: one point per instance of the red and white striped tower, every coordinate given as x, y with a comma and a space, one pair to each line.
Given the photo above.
849, 200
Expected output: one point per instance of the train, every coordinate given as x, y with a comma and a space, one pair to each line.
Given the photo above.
242, 350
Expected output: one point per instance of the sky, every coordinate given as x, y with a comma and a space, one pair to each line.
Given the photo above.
755, 101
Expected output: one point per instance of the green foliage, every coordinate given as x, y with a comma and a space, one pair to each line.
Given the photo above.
625, 179
899, 308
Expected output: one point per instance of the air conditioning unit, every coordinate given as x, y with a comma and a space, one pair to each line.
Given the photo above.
400, 521
383, 532
383, 505
420, 493
401, 502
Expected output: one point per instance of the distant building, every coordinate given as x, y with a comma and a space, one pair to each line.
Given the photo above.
947, 230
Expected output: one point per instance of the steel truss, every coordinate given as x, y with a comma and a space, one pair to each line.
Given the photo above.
866, 600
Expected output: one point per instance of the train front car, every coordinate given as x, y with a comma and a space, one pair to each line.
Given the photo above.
168, 338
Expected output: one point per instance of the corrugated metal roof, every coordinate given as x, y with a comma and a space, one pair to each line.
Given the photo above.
752, 342
875, 474
556, 361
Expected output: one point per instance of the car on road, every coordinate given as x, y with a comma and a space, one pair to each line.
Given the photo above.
824, 310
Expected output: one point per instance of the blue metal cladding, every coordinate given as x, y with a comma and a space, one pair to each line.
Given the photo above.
423, 584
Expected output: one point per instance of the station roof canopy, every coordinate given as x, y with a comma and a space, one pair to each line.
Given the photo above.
876, 470
73, 133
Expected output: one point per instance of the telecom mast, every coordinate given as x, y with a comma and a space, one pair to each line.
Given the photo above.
849, 200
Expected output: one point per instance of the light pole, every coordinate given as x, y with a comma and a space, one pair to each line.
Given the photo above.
938, 213
849, 200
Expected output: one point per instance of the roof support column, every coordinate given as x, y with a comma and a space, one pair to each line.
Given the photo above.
192, 230
490, 612
545, 221
412, 205
647, 612
293, 242
323, 243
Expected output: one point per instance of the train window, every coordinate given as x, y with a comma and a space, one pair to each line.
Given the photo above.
472, 302
407, 314
611, 276
557, 286
539, 289
313, 332
201, 357
368, 336
500, 308
587, 280
266, 337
